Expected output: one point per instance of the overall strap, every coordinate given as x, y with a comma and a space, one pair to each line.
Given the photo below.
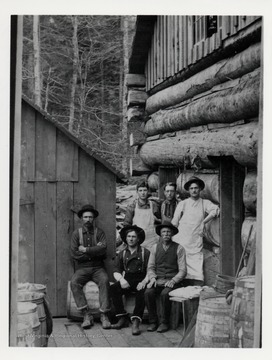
95, 236
80, 236
124, 259
142, 259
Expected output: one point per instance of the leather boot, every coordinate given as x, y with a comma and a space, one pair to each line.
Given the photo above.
87, 319
135, 326
105, 321
122, 322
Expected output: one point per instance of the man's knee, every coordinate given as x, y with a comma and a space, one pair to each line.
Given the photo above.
149, 293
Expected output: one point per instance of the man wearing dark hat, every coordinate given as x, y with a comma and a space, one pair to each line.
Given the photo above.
190, 216
88, 250
144, 213
166, 269
130, 274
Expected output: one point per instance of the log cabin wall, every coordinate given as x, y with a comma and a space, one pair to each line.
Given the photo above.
198, 110
58, 176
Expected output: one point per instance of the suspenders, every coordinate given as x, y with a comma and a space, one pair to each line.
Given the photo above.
124, 259
80, 232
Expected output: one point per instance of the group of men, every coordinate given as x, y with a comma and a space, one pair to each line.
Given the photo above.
163, 251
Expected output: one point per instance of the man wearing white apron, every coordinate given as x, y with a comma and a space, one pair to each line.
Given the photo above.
190, 217
144, 213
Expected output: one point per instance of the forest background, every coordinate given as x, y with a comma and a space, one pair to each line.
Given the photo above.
74, 68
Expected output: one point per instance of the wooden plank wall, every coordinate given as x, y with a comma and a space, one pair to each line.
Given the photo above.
179, 41
56, 177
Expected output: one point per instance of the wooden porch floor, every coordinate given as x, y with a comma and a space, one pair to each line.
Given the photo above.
68, 333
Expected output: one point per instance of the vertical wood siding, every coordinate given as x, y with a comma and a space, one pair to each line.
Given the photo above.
56, 176
179, 41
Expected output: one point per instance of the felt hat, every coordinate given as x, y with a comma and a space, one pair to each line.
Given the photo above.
87, 208
166, 224
139, 231
194, 179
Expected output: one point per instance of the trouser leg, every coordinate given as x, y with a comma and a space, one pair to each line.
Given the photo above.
139, 303
165, 305
116, 294
79, 279
150, 300
100, 277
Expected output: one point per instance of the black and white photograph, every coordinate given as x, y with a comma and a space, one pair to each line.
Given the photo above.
136, 170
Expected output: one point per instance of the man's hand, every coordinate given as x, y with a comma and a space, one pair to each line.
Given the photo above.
124, 284
170, 284
141, 285
82, 248
151, 283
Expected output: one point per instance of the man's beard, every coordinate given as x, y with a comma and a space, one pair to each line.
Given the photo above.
88, 224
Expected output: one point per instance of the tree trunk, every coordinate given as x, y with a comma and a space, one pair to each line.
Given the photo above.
250, 192
232, 68
225, 106
47, 90
74, 77
195, 148
37, 59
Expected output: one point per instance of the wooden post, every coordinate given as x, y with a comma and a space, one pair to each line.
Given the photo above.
15, 148
231, 214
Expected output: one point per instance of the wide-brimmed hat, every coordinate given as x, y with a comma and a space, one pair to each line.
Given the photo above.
139, 231
87, 208
194, 179
166, 224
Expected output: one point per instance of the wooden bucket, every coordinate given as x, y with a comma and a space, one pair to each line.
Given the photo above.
25, 336
223, 283
212, 324
242, 313
27, 314
38, 299
91, 292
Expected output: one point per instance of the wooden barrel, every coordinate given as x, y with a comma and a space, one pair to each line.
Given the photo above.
212, 324
250, 192
153, 181
223, 283
27, 314
91, 292
211, 190
38, 299
212, 232
25, 336
245, 232
242, 313
32, 287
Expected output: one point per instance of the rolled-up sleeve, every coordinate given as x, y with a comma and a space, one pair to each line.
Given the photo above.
151, 267
181, 265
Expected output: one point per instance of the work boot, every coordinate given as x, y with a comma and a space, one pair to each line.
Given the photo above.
163, 328
122, 322
87, 319
135, 326
152, 327
105, 321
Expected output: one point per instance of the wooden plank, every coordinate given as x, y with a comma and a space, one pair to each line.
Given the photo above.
156, 52
164, 47
60, 334
26, 244
45, 239
168, 46
175, 43
231, 214
161, 31
27, 142
185, 40
135, 341
77, 335
96, 337
45, 155
137, 80
105, 204
190, 39
67, 158
149, 69
116, 339
84, 189
64, 270
152, 62
157, 339
181, 43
